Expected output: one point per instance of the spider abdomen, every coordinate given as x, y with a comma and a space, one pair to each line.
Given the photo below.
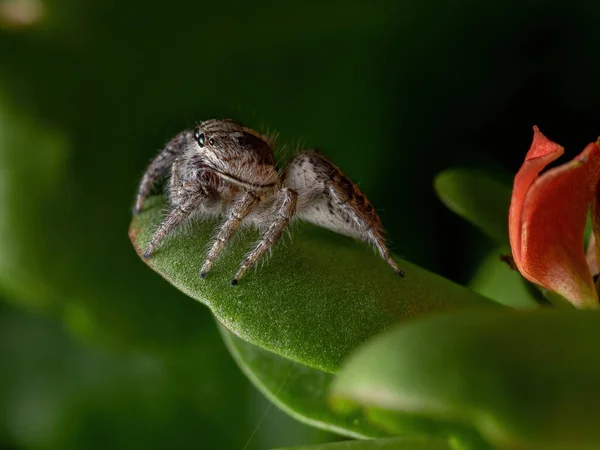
328, 198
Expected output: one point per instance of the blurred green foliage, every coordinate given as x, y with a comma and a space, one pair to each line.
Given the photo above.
478, 198
57, 393
393, 92
402, 443
502, 379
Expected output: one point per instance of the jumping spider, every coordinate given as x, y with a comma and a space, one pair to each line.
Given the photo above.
224, 169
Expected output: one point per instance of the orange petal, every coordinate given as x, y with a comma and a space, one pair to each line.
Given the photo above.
542, 152
552, 223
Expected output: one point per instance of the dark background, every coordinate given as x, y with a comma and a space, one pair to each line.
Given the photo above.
96, 351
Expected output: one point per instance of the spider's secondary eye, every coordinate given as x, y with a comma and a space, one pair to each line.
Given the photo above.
199, 137
240, 140
211, 141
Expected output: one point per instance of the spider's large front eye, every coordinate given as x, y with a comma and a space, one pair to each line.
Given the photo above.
199, 137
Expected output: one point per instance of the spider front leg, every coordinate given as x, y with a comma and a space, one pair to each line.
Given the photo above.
286, 200
183, 210
160, 166
235, 217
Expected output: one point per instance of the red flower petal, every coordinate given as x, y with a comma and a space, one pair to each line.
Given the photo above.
542, 152
552, 223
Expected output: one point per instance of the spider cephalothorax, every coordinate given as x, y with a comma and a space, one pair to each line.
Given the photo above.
238, 154
222, 168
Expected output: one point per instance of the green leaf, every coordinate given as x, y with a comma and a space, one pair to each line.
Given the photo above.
496, 280
298, 390
399, 443
523, 380
478, 198
320, 296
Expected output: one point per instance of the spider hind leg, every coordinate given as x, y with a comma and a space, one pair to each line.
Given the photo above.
328, 198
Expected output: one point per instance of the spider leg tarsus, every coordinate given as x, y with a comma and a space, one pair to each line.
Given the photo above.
400, 273
233, 282
147, 254
202, 275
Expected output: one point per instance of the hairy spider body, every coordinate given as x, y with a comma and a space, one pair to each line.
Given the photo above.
224, 169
